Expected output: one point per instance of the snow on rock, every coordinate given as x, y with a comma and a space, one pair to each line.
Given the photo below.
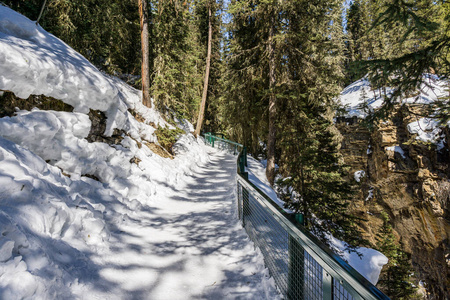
396, 149
359, 175
34, 62
427, 130
359, 96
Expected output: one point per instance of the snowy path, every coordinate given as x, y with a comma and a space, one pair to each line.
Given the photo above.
188, 247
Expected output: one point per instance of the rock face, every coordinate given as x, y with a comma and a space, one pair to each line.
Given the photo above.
409, 180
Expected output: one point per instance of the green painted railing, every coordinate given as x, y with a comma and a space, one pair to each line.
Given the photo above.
222, 143
301, 265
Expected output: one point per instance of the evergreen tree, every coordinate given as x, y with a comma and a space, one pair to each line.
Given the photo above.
286, 65
176, 80
423, 40
395, 280
210, 38
212, 123
244, 105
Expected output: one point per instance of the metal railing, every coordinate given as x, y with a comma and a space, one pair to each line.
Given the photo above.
301, 265
222, 143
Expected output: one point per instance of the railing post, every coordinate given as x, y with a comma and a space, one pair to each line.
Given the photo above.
327, 285
244, 153
245, 205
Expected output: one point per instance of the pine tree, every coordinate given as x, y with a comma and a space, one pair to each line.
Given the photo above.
176, 79
212, 122
244, 103
286, 65
208, 23
395, 280
422, 45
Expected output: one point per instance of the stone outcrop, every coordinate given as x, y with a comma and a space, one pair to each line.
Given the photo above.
409, 180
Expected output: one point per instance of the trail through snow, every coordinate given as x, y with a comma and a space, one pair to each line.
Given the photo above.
147, 228
192, 247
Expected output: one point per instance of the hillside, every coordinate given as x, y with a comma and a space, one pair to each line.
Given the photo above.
88, 210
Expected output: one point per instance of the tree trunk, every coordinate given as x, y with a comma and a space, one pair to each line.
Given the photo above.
201, 113
40, 14
145, 73
271, 140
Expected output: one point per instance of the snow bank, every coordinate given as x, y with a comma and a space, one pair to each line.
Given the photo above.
34, 62
38, 205
369, 264
355, 95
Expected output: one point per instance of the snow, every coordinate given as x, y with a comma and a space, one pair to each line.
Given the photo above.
79, 238
369, 265
354, 96
257, 175
396, 149
358, 175
150, 228
427, 130
370, 194
34, 62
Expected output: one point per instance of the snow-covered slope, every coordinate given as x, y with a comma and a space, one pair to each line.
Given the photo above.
145, 230
34, 62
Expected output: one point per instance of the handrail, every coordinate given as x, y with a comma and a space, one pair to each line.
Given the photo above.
222, 143
301, 265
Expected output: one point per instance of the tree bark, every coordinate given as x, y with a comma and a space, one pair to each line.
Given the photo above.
145, 72
201, 113
271, 140
40, 14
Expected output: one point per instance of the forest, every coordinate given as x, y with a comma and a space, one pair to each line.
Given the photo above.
267, 73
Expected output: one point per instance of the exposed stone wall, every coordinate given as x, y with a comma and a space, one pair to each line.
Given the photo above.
410, 183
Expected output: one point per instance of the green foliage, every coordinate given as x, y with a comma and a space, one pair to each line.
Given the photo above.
317, 175
212, 121
421, 44
176, 81
167, 137
307, 51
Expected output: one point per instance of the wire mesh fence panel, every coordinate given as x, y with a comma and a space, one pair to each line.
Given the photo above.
313, 278
301, 269
269, 237
296, 273
339, 292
